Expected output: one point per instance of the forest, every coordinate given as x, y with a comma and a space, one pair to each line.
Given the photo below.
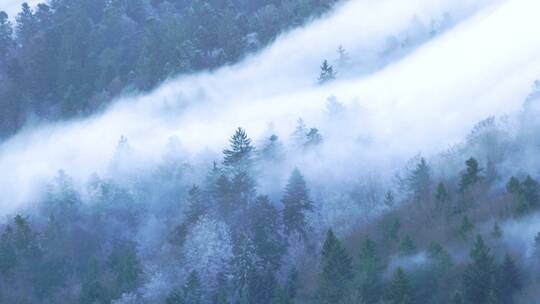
326, 204
69, 58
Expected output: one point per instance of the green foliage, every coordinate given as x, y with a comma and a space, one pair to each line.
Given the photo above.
368, 273
239, 157
480, 274
419, 180
471, 175
72, 57
336, 273
509, 280
400, 290
296, 203
407, 246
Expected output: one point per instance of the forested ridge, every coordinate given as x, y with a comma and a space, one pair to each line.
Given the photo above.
70, 58
207, 233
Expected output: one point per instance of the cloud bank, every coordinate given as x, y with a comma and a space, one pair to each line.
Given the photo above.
423, 100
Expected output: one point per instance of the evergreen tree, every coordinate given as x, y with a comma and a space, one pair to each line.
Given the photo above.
479, 275
327, 73
280, 296
313, 138
273, 149
513, 186
368, 274
419, 180
407, 246
296, 203
509, 280
193, 289
6, 37
400, 291
336, 272
238, 158
529, 194
265, 224
197, 207
471, 175
442, 195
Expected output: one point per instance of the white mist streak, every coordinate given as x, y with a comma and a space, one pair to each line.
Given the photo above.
424, 102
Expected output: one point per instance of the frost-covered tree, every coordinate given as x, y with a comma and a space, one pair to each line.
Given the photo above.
208, 249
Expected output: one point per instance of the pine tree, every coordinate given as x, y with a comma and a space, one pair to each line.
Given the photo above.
529, 193
336, 272
471, 175
265, 227
479, 275
513, 186
296, 203
193, 289
419, 180
442, 195
509, 280
401, 291
6, 37
327, 73
313, 138
273, 149
239, 158
196, 205
369, 269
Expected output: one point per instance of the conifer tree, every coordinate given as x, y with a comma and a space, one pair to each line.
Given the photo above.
471, 175
369, 269
389, 199
239, 158
196, 205
442, 195
265, 227
509, 280
400, 291
479, 276
419, 180
344, 60
193, 289
327, 73
336, 272
296, 203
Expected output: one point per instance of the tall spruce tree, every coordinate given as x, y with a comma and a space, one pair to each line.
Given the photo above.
296, 203
400, 290
479, 276
336, 273
239, 157
368, 273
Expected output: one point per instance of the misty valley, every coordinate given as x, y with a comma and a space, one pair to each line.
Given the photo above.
269, 151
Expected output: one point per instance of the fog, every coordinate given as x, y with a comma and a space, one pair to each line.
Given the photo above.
13, 7
422, 97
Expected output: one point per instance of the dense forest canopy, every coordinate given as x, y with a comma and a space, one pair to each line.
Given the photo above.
69, 58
